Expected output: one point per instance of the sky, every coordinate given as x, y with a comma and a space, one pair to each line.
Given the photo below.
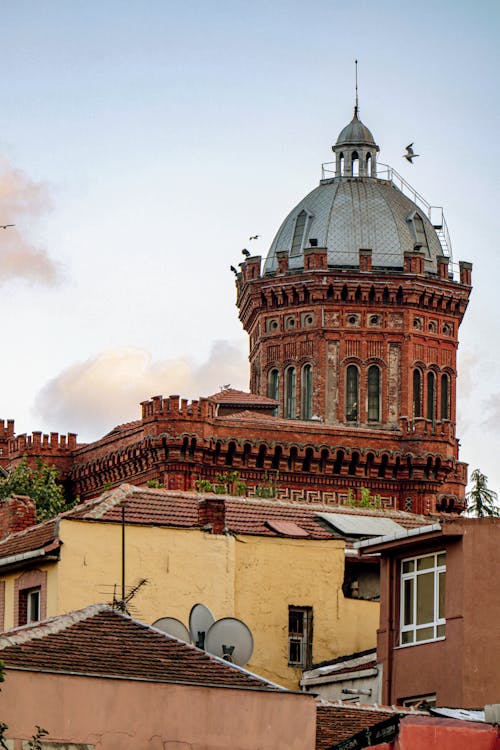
142, 144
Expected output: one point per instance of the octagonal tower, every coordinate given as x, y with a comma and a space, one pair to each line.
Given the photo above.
353, 324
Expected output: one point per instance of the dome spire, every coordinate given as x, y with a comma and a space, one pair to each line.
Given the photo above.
356, 107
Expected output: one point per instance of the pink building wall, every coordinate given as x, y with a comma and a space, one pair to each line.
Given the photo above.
112, 714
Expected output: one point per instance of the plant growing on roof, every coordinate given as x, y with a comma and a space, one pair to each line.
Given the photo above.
367, 500
481, 501
270, 487
41, 484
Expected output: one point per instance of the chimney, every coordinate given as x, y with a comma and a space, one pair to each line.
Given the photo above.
17, 513
212, 512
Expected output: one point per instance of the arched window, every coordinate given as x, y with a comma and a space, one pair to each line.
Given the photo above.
417, 393
355, 164
298, 234
340, 170
352, 394
374, 394
290, 393
369, 164
306, 393
273, 384
445, 397
431, 392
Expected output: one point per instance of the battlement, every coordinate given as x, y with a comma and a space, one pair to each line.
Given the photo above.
6, 428
173, 407
37, 443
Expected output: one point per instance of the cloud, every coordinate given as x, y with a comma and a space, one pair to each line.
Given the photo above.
92, 397
23, 202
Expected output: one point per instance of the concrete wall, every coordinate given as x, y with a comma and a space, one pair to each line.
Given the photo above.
126, 715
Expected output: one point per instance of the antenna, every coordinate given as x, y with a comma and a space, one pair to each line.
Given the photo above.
200, 621
174, 627
230, 639
121, 604
356, 74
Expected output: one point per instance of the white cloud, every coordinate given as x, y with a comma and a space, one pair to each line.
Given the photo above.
92, 397
22, 202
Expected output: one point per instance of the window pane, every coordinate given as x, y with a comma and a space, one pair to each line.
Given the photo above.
407, 637
425, 598
374, 394
440, 631
408, 602
417, 401
352, 383
408, 566
441, 559
425, 563
445, 401
306, 395
430, 395
425, 634
442, 587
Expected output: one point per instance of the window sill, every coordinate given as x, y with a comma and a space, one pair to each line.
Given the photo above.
420, 643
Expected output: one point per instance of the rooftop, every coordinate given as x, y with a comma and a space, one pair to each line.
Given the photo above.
94, 640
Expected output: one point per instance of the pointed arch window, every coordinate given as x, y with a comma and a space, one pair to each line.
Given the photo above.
352, 394
417, 393
374, 393
431, 395
445, 397
306, 392
298, 233
290, 393
273, 384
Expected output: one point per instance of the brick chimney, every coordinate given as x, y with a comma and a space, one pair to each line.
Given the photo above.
212, 512
17, 513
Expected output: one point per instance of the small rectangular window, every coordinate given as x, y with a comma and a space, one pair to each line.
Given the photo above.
300, 623
423, 581
29, 606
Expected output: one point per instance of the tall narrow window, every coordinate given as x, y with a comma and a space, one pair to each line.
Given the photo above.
290, 393
352, 394
423, 581
374, 394
445, 397
431, 393
300, 635
306, 393
298, 235
417, 393
273, 384
355, 164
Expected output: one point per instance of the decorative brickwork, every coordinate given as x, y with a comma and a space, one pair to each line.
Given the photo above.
16, 513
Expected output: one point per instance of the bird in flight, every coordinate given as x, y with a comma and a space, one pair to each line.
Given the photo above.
254, 237
246, 252
6, 226
410, 154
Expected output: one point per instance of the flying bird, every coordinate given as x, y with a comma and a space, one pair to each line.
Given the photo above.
233, 269
254, 237
6, 226
246, 252
410, 154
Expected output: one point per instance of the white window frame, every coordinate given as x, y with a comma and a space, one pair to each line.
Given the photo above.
34, 596
300, 642
413, 575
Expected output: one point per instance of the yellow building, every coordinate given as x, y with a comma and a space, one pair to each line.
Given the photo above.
279, 567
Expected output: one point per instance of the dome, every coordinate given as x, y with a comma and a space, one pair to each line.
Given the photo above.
346, 214
356, 133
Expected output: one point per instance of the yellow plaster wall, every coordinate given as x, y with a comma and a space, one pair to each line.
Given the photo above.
182, 566
272, 574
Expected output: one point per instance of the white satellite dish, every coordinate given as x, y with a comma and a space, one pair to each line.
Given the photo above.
200, 622
173, 626
230, 639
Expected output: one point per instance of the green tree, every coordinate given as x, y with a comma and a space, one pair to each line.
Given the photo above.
41, 484
481, 501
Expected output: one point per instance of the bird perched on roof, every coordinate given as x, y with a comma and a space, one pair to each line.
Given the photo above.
6, 226
233, 269
254, 237
246, 252
410, 154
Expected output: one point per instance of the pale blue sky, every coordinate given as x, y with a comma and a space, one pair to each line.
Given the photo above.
167, 133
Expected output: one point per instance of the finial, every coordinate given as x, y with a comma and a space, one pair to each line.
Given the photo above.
356, 74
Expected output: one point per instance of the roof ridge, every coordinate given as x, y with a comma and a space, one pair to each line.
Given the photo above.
115, 497
50, 626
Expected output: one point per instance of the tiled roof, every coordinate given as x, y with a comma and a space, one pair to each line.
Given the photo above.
124, 426
233, 396
335, 722
36, 537
100, 641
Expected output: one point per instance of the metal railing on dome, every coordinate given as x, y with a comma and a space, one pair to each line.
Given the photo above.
435, 214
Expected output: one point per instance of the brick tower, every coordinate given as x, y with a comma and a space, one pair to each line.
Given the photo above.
353, 325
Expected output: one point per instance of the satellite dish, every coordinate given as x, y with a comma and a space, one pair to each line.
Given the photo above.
200, 622
230, 639
174, 627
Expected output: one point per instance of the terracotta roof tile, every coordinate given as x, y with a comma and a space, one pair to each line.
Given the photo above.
33, 538
233, 396
98, 640
335, 722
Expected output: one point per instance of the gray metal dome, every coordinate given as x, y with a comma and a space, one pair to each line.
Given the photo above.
356, 133
346, 214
